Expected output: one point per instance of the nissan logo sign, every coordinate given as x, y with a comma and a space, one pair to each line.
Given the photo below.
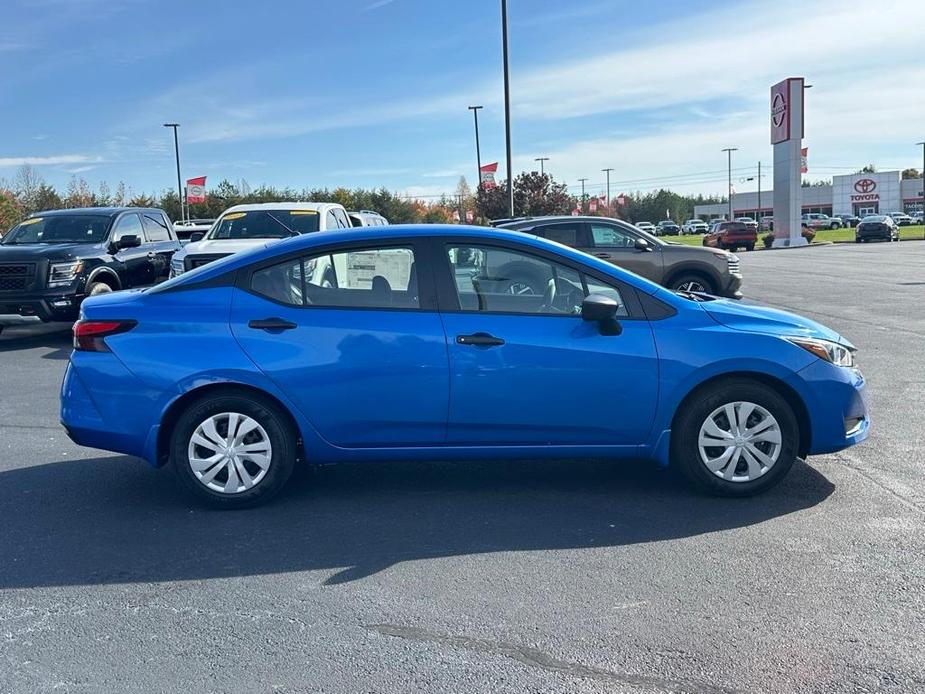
865, 185
778, 109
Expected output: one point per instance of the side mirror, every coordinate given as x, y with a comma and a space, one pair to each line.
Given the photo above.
642, 245
603, 310
128, 241
196, 236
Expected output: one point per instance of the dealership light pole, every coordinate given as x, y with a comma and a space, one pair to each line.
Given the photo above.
176, 149
729, 151
922, 145
541, 160
478, 153
507, 107
758, 216
607, 171
582, 193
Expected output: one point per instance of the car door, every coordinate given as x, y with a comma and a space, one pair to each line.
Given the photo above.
525, 369
352, 336
618, 246
160, 243
137, 264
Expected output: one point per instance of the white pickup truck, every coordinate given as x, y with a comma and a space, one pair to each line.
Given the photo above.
243, 227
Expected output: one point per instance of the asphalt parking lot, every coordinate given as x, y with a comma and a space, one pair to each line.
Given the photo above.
483, 577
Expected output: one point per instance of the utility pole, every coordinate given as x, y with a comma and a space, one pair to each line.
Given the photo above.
729, 151
507, 108
759, 197
478, 153
176, 149
582, 193
607, 171
541, 160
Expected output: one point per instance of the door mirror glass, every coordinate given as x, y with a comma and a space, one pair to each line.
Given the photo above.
129, 241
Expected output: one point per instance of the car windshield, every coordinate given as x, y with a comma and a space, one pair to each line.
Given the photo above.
265, 224
59, 228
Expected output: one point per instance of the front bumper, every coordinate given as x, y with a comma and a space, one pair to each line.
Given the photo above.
837, 406
46, 306
733, 288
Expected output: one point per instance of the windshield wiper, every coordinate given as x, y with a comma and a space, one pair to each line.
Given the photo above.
291, 231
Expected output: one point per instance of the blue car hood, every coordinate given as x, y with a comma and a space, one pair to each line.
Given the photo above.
761, 319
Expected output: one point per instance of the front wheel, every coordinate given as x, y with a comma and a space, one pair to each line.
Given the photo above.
737, 438
97, 288
233, 449
692, 282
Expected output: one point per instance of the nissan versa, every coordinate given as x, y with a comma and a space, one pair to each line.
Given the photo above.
424, 346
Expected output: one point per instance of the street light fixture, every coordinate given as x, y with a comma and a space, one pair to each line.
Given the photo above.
478, 153
176, 149
729, 151
541, 160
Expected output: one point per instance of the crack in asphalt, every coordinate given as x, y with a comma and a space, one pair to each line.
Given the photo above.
538, 659
853, 464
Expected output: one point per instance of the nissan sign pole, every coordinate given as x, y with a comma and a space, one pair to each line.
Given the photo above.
787, 139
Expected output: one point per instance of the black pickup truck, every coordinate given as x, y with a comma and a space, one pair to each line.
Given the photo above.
51, 260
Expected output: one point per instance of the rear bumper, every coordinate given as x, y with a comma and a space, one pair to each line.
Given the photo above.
46, 307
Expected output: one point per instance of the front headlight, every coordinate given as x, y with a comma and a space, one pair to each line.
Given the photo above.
831, 352
62, 274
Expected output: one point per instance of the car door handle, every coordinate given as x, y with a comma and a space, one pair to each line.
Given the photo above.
479, 340
602, 255
271, 324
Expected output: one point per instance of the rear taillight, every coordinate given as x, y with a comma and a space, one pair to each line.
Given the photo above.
89, 334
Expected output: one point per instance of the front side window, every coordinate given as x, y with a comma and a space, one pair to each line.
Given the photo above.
59, 228
128, 225
363, 278
607, 236
265, 224
501, 280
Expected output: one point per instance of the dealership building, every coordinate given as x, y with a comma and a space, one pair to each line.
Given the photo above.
859, 194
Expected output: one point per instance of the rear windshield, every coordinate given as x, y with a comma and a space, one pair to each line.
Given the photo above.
60, 228
734, 226
265, 224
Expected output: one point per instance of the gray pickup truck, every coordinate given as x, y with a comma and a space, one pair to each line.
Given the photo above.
673, 265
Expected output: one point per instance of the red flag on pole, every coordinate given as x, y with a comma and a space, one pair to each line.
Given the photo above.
488, 174
196, 189
592, 205
470, 216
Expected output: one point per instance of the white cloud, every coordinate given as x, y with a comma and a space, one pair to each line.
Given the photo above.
56, 160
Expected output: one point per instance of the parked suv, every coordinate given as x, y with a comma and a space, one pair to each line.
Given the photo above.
667, 228
732, 235
694, 226
902, 219
367, 218
676, 266
51, 261
243, 227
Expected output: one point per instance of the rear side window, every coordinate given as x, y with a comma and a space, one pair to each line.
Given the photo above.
155, 227
566, 234
363, 278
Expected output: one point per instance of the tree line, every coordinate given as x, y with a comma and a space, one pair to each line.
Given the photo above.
535, 194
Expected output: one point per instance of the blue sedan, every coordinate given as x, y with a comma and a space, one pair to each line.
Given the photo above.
440, 342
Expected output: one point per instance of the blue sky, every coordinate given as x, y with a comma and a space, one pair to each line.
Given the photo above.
374, 93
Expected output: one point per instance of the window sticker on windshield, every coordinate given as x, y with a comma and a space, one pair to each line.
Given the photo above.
234, 215
296, 213
27, 222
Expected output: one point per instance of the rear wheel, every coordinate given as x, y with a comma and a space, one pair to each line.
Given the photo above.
749, 246
737, 438
233, 449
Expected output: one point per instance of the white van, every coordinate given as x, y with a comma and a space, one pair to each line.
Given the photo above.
243, 227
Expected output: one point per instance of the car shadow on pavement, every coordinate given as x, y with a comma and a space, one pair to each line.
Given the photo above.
113, 520
56, 337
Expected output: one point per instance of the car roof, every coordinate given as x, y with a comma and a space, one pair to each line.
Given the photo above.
107, 211
306, 242
253, 207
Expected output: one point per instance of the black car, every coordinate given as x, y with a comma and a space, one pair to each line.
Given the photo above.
667, 228
876, 227
50, 261
673, 265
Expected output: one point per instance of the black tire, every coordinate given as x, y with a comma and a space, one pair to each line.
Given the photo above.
97, 288
685, 451
679, 282
275, 423
749, 246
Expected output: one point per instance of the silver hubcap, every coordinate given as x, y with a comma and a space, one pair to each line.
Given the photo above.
692, 286
739, 441
230, 453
